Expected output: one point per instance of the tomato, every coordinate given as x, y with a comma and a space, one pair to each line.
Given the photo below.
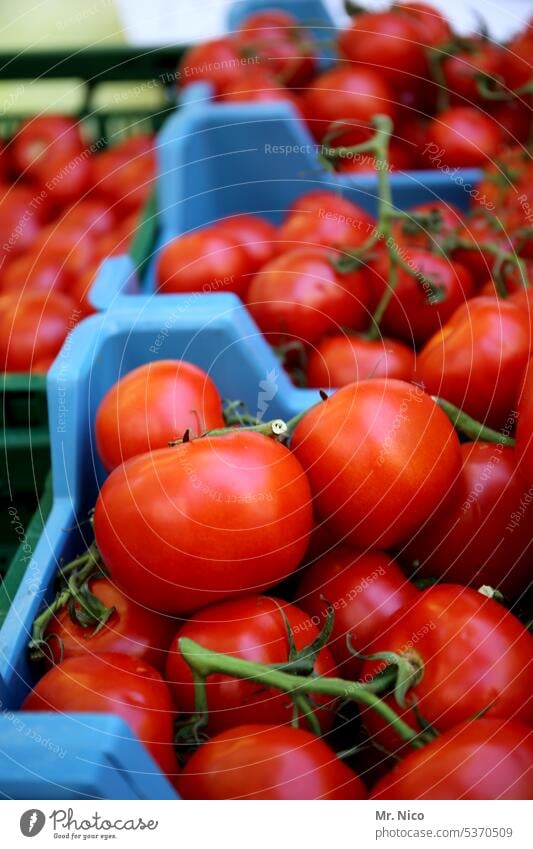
257, 85
424, 300
379, 455
480, 229
123, 180
32, 273
478, 535
419, 235
524, 428
65, 177
152, 405
513, 119
80, 289
112, 683
217, 62
33, 328
341, 359
322, 219
471, 654
516, 69
206, 520
93, 215
478, 359
432, 26
462, 136
280, 43
207, 260
132, 630
323, 201
485, 759
253, 629
21, 217
301, 295
254, 233
268, 762
461, 70
43, 137
353, 95
365, 590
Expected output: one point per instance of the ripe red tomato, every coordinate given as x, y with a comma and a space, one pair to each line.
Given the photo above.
67, 246
477, 361
21, 216
516, 69
433, 28
42, 137
461, 70
93, 215
259, 86
132, 630
210, 519
341, 359
208, 260
473, 656
380, 455
33, 328
462, 136
280, 43
353, 95
217, 62
253, 233
322, 219
300, 295
253, 629
323, 201
268, 762
152, 405
32, 273
407, 231
388, 44
485, 759
113, 683
480, 229
65, 177
365, 590
478, 535
524, 428
123, 177
423, 301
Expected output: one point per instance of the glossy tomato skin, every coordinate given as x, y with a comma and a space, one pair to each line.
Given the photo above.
380, 456
43, 137
485, 759
253, 629
210, 519
474, 655
113, 683
281, 44
477, 361
341, 359
406, 231
254, 233
319, 221
365, 589
350, 94
300, 295
423, 301
207, 260
323, 201
464, 137
257, 85
460, 70
217, 61
30, 272
132, 630
33, 328
122, 176
478, 536
152, 405
432, 25
524, 428
268, 762
19, 222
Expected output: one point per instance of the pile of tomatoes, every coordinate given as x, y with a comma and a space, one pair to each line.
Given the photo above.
65, 205
454, 101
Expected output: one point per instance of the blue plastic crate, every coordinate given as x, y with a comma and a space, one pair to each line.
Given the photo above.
216, 333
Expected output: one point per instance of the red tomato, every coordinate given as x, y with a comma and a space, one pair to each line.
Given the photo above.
217, 62
80, 289
65, 177
365, 589
124, 181
256, 85
433, 28
132, 630
423, 301
152, 405
380, 455
301, 295
478, 535
208, 260
21, 216
268, 762
67, 247
478, 359
33, 328
524, 429
280, 43
113, 683
39, 138
388, 44
513, 119
516, 69
485, 759
421, 236
481, 229
461, 70
472, 654
253, 233
353, 95
323, 201
32, 273
341, 359
209, 519
338, 224
93, 215
253, 629
462, 136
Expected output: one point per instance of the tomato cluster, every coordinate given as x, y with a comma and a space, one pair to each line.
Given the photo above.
66, 203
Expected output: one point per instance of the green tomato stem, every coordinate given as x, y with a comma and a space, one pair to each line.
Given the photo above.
470, 427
